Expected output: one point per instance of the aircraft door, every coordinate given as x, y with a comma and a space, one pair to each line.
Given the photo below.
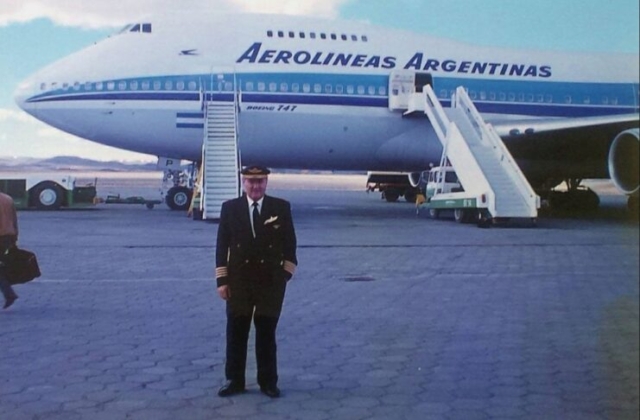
422, 79
222, 85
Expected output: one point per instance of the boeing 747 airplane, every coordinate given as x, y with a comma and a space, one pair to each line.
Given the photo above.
315, 94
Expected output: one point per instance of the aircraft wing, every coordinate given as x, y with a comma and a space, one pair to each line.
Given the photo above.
564, 147
514, 128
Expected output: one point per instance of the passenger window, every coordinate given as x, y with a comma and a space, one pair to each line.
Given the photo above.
248, 86
339, 89
328, 88
157, 85
284, 87
548, 98
292, 34
334, 37
295, 87
350, 89
512, 96
317, 88
540, 98
343, 37
272, 87
122, 85
168, 85
371, 90
76, 86
192, 85
586, 100
270, 34
323, 36
145, 85
111, 85
365, 38
99, 86
354, 37
472, 94
43, 86
312, 35
360, 90
492, 96
382, 90
133, 85
521, 97
280, 34
502, 96
261, 87
87, 86
302, 35
306, 88
483, 95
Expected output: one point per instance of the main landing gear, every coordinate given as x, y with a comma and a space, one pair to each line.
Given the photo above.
575, 198
178, 196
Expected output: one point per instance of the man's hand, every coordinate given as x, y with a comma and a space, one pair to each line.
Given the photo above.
224, 292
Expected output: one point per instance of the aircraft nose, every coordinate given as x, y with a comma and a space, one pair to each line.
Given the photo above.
26, 90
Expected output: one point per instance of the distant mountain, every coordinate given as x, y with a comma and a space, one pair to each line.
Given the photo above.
72, 163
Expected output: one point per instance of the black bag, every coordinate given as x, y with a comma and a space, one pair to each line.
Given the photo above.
19, 266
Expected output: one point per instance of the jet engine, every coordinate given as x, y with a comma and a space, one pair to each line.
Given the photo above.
624, 156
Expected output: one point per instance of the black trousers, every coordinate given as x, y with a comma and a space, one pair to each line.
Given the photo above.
257, 295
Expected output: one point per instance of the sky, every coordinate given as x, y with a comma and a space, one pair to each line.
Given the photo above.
34, 33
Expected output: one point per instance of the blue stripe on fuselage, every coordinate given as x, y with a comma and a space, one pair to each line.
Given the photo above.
517, 97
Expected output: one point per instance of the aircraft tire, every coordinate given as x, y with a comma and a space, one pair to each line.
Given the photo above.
410, 195
46, 196
391, 195
460, 215
179, 198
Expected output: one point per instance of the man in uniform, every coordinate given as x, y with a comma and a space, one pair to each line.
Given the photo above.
255, 258
8, 239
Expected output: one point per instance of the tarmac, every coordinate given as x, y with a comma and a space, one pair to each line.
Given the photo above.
391, 315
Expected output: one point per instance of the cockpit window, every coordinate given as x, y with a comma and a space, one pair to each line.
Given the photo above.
125, 29
136, 27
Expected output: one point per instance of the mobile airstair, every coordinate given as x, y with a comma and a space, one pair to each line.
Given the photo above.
492, 181
220, 158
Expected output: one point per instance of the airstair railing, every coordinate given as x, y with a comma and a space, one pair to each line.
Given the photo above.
489, 136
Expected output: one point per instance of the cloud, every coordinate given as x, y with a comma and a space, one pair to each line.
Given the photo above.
103, 13
12, 115
22, 135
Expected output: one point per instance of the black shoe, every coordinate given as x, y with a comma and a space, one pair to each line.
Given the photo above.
271, 391
231, 388
9, 301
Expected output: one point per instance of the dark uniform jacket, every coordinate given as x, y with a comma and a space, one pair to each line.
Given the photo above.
274, 248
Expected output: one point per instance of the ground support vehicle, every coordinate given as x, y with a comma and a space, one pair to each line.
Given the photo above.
442, 191
47, 192
392, 185
116, 199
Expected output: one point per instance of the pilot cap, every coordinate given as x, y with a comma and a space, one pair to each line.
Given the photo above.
255, 172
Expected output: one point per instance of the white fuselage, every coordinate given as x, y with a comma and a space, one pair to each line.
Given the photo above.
311, 93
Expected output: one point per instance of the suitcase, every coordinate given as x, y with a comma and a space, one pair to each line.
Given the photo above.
19, 266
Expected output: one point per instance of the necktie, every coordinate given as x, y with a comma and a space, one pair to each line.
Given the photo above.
256, 219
